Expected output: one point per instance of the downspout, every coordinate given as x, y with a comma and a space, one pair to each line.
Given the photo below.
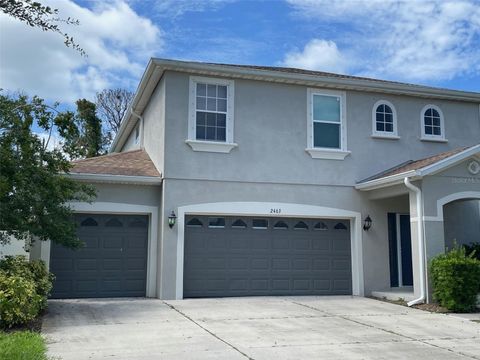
421, 241
140, 118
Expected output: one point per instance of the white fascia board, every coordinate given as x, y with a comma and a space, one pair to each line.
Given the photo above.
386, 181
449, 162
123, 179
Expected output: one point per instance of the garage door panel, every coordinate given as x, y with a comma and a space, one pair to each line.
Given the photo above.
113, 264
260, 263
290, 256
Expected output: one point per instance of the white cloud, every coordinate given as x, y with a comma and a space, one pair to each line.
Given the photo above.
317, 54
117, 40
175, 8
405, 40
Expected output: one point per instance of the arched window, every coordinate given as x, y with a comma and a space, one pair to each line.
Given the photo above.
384, 117
239, 224
89, 222
300, 226
320, 226
432, 123
280, 225
340, 226
114, 222
194, 223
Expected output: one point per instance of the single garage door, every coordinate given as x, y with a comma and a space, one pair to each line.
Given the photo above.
113, 262
241, 256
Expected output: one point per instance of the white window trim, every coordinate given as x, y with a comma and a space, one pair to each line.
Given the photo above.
384, 134
203, 145
428, 137
327, 153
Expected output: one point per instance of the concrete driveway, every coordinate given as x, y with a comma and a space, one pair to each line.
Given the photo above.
254, 328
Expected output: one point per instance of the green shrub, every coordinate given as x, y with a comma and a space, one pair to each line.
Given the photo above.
456, 280
474, 248
35, 271
19, 301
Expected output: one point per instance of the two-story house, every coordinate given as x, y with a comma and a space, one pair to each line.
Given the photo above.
234, 180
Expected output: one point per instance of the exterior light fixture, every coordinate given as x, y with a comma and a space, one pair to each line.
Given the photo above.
367, 224
172, 219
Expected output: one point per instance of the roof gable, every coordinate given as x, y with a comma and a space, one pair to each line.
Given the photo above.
130, 163
419, 168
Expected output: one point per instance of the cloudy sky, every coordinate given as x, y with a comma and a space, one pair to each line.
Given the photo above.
428, 42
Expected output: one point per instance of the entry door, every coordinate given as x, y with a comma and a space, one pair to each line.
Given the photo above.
401, 272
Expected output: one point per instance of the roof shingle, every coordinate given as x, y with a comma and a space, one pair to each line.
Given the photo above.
129, 163
415, 164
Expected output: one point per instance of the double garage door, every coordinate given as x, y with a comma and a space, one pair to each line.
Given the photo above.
241, 256
113, 262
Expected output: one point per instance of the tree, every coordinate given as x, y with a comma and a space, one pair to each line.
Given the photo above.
84, 137
34, 191
112, 104
92, 137
44, 17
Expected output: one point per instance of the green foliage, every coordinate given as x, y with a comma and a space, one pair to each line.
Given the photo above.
473, 248
35, 271
92, 135
43, 17
456, 280
24, 288
22, 345
33, 191
19, 302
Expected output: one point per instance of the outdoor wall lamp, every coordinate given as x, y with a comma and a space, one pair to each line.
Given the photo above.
172, 219
367, 223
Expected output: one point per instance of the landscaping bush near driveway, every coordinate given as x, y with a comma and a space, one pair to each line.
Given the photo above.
474, 247
24, 288
456, 280
22, 345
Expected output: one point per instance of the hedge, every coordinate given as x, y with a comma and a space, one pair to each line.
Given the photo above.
456, 280
24, 289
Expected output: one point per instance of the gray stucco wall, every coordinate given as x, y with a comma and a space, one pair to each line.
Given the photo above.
271, 165
130, 142
154, 127
375, 245
271, 133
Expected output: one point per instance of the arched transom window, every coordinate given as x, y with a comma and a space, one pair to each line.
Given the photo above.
432, 123
384, 119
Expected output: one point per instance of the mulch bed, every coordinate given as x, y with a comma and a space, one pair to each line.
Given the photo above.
433, 308
35, 325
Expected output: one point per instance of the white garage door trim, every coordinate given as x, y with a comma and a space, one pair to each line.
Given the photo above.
123, 209
276, 210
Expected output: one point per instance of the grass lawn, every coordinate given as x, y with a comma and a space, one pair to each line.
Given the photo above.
22, 345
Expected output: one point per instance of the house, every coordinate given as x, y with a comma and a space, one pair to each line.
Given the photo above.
234, 180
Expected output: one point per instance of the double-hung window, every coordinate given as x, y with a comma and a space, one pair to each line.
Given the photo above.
326, 124
211, 114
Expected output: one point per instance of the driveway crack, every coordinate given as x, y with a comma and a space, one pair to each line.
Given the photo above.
208, 331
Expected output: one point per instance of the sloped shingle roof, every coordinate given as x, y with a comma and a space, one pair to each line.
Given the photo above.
415, 164
129, 163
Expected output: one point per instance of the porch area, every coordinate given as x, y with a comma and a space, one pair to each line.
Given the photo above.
439, 207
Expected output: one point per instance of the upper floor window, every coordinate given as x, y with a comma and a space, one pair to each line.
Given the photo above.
432, 122
211, 114
326, 124
384, 119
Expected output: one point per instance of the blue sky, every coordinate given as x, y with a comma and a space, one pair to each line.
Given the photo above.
427, 42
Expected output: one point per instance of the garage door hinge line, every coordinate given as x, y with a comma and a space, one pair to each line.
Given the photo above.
208, 331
